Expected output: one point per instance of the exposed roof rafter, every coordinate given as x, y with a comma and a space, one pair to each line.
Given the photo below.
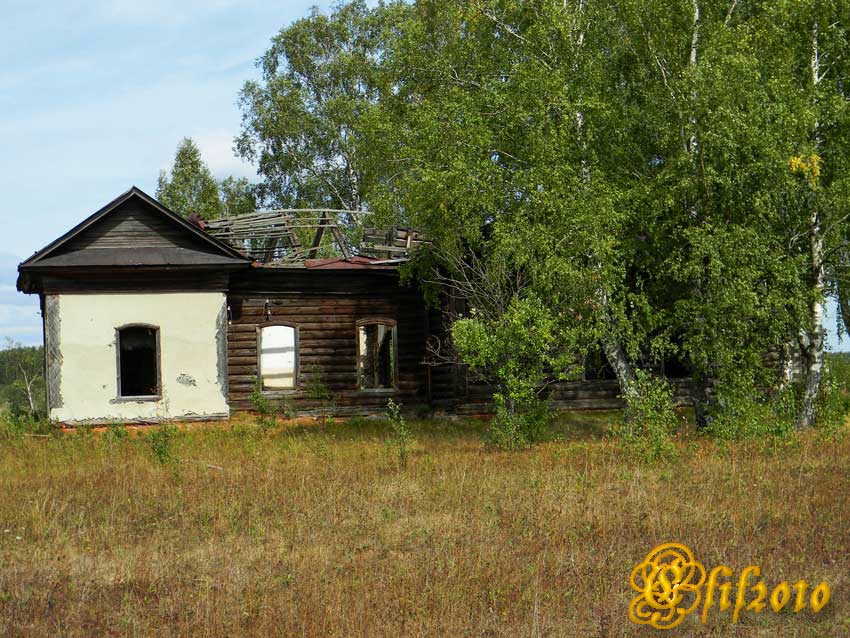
288, 236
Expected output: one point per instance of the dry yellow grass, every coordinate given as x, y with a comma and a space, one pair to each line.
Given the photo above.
315, 531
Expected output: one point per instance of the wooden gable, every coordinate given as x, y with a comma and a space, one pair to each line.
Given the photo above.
134, 230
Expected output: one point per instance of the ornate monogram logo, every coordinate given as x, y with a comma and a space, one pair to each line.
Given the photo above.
669, 584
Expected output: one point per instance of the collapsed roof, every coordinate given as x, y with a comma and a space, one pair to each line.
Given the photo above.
298, 236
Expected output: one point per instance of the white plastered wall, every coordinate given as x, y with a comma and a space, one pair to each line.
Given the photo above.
192, 365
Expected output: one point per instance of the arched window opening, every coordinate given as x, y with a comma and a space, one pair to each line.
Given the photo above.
278, 357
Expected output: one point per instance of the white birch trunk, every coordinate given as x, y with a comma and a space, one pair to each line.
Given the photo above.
814, 352
619, 362
815, 355
611, 344
786, 365
692, 142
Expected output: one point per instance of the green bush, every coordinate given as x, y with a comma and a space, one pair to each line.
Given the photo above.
161, 439
317, 391
515, 428
16, 424
401, 441
516, 351
741, 413
262, 406
833, 403
115, 432
649, 419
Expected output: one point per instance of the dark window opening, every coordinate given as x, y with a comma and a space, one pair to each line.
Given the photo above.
138, 362
596, 366
676, 367
376, 355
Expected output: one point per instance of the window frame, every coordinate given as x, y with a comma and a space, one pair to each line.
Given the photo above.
141, 397
358, 355
296, 386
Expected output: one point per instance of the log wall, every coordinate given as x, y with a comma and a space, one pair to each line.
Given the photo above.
325, 307
325, 314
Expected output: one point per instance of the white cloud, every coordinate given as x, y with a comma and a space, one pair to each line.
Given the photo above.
217, 151
20, 323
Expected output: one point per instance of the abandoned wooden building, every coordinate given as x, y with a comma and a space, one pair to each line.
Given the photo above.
148, 316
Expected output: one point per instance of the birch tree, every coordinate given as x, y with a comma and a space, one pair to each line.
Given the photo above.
307, 122
721, 278
811, 60
189, 187
504, 145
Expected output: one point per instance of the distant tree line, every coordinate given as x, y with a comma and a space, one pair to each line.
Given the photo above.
22, 387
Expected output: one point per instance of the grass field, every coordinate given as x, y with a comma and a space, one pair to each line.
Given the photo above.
311, 530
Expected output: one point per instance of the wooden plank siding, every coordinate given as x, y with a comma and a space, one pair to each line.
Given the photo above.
599, 394
133, 226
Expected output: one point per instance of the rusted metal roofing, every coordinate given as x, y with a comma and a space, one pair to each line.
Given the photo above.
352, 263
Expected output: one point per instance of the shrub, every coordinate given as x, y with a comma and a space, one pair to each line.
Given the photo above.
515, 429
15, 424
743, 412
649, 419
833, 400
357, 422
286, 410
317, 391
262, 406
115, 432
401, 442
160, 440
516, 351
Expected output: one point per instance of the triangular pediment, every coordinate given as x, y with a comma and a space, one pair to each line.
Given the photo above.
135, 230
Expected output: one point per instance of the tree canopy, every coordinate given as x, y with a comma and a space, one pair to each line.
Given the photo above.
664, 181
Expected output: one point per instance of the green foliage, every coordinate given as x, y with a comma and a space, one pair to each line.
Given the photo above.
317, 391
285, 409
516, 429
189, 187
357, 422
266, 416
237, 196
649, 419
115, 432
839, 366
628, 173
741, 412
308, 122
160, 440
515, 351
13, 425
833, 406
401, 441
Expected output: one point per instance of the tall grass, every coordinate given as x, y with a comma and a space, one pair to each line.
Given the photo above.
306, 531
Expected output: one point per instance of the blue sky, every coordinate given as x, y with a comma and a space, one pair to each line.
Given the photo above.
95, 96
